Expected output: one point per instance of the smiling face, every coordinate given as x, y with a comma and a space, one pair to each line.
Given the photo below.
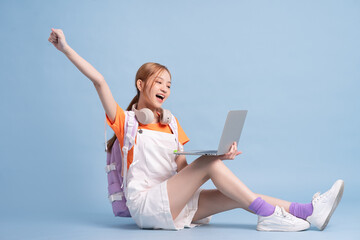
155, 92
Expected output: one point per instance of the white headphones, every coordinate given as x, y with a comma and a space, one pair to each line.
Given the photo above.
146, 116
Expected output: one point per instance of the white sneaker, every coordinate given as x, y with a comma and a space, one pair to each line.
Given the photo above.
281, 221
325, 204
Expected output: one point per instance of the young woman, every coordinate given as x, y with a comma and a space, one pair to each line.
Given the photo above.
163, 192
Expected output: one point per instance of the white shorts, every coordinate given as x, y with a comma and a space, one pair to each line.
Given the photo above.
151, 209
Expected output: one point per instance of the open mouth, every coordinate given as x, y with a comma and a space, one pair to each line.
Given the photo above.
160, 97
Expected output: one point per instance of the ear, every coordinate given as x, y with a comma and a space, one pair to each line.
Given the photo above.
139, 84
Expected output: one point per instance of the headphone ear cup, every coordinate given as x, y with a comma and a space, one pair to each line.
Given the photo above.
144, 116
165, 117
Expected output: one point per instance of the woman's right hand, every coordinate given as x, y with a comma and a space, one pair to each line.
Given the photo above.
57, 38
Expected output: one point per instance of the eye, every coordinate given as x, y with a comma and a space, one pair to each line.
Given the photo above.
168, 87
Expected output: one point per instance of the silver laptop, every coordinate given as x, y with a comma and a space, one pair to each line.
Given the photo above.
231, 133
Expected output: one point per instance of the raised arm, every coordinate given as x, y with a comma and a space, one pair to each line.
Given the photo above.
57, 38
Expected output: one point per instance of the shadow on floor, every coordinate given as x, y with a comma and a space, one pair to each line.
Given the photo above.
230, 226
129, 224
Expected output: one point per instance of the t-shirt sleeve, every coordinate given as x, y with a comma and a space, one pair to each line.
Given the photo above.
118, 125
182, 136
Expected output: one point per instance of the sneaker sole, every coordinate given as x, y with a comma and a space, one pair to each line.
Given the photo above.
272, 229
337, 200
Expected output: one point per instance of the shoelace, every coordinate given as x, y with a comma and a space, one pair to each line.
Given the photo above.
317, 196
285, 214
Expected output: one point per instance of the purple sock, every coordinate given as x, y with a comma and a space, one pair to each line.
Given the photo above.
262, 208
301, 210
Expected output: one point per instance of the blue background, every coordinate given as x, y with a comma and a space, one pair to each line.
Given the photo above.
293, 64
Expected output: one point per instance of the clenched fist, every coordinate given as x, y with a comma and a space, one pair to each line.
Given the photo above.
57, 38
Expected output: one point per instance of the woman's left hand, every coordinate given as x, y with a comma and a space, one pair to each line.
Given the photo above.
233, 152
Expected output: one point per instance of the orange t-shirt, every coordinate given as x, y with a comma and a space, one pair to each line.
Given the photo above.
118, 127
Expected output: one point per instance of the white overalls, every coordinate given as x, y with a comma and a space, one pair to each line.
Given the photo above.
146, 192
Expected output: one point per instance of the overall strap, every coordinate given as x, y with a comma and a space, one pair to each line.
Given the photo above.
131, 125
174, 129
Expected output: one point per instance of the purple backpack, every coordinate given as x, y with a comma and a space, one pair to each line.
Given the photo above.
116, 168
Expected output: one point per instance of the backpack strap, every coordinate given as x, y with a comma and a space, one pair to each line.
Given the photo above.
105, 137
131, 126
174, 129
130, 129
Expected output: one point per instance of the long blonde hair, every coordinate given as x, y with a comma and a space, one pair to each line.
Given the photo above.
144, 73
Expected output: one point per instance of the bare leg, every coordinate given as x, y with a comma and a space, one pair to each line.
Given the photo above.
212, 201
275, 201
183, 185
